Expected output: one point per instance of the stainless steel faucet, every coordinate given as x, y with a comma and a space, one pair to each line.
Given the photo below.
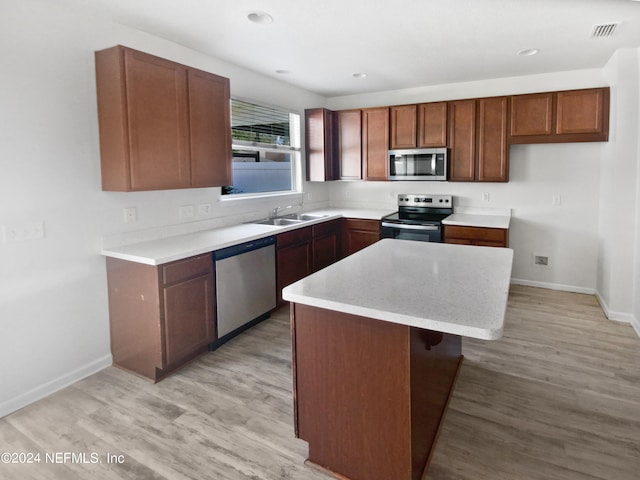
275, 211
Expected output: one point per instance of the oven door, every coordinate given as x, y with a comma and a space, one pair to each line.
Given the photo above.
403, 231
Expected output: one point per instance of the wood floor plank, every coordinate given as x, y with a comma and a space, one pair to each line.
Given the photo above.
558, 397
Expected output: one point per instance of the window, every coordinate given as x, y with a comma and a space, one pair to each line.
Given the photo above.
266, 149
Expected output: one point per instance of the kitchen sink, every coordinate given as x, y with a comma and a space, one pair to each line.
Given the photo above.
280, 222
290, 219
305, 217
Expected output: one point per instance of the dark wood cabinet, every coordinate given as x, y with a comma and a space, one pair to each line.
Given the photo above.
492, 159
432, 124
349, 147
162, 125
358, 234
462, 140
404, 126
582, 112
293, 257
326, 243
210, 129
320, 145
375, 143
375, 377
532, 114
306, 250
478, 139
160, 317
488, 237
560, 117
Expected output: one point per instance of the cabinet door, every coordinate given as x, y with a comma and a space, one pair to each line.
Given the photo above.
375, 143
350, 144
403, 126
432, 125
358, 234
293, 263
158, 122
581, 111
462, 140
326, 243
532, 114
188, 318
493, 148
319, 145
210, 129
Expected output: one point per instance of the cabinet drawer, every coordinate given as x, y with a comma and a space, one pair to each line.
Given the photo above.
494, 235
188, 268
299, 235
359, 224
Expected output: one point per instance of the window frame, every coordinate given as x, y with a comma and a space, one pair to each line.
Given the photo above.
294, 150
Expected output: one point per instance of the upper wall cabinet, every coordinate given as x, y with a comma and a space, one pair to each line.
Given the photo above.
162, 125
375, 143
478, 140
418, 126
404, 126
561, 117
349, 145
320, 145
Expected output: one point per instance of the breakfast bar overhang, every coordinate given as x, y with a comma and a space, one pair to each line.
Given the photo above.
377, 348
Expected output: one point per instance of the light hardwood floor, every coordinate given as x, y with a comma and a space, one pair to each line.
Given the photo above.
558, 397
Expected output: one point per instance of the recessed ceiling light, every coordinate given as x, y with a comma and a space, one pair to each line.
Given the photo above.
527, 52
360, 75
262, 18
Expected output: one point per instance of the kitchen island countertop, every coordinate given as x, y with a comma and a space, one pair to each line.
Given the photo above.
456, 289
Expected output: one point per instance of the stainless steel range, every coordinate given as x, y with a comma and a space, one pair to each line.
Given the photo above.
419, 217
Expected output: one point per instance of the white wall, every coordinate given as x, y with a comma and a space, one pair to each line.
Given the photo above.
619, 207
567, 234
53, 294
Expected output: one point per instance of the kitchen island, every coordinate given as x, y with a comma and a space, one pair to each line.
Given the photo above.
377, 348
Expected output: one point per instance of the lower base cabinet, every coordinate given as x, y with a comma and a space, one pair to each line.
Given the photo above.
487, 237
358, 234
306, 250
161, 317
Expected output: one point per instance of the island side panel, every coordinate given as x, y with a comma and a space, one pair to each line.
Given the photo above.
352, 393
435, 362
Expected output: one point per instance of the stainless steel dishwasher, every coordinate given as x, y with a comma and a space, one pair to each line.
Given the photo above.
245, 286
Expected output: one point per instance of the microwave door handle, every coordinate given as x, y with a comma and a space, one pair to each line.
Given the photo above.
410, 227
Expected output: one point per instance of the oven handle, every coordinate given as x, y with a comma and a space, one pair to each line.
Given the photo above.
404, 226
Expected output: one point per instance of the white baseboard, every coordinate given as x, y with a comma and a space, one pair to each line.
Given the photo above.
553, 286
54, 385
618, 316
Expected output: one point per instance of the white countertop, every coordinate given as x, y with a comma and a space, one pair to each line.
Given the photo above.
479, 217
168, 249
457, 289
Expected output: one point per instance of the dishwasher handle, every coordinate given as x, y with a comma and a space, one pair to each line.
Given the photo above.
243, 248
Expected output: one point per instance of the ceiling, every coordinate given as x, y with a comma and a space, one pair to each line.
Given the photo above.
320, 44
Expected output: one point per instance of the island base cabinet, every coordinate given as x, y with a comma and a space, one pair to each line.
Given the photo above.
369, 395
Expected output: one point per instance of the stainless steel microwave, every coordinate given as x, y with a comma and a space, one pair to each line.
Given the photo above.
418, 164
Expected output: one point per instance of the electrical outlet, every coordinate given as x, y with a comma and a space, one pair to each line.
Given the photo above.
392, 195
186, 211
541, 260
22, 232
485, 197
347, 194
204, 209
556, 200
309, 196
130, 215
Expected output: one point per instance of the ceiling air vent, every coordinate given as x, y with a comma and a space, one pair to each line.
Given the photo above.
604, 30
